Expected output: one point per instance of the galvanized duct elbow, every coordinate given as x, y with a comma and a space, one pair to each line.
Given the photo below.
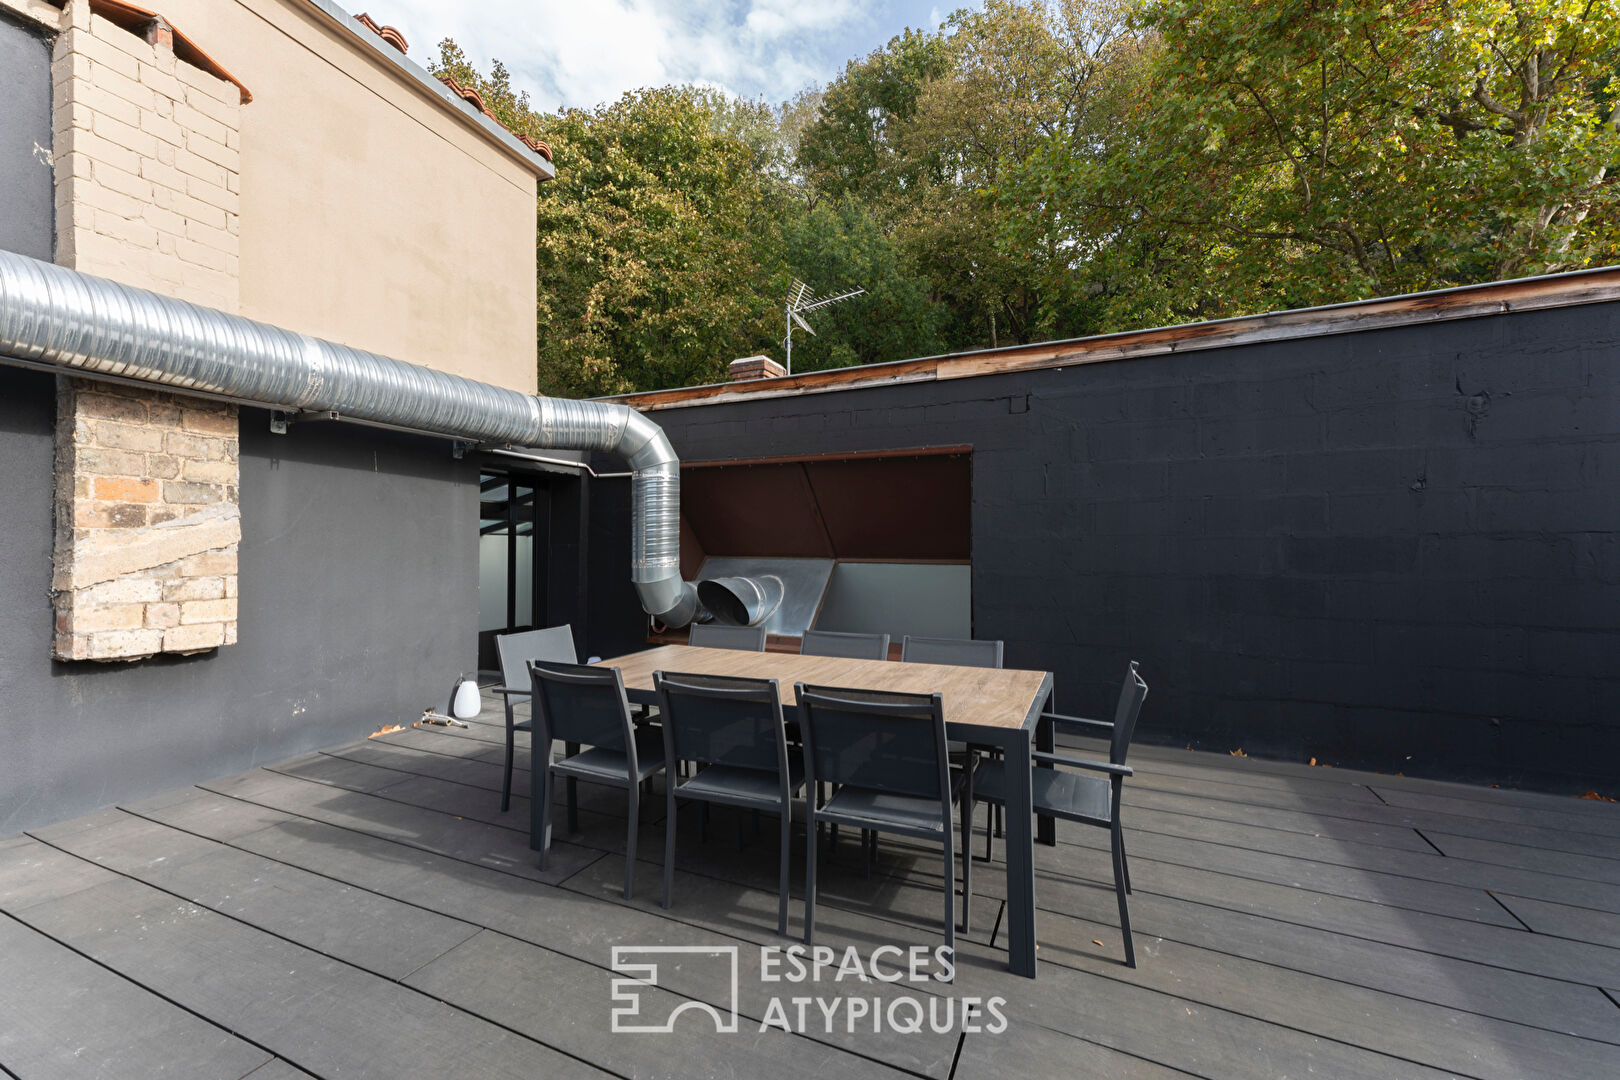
56, 317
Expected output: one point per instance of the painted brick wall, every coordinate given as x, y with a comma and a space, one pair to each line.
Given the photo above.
147, 523
146, 151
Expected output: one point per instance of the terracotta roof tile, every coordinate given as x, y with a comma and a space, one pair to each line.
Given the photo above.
387, 33
472, 97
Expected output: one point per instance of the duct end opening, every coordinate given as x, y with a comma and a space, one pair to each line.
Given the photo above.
741, 601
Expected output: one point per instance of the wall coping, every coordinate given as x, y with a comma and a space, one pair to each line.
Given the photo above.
1441, 305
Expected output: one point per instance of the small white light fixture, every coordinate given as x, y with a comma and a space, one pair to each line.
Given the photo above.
465, 702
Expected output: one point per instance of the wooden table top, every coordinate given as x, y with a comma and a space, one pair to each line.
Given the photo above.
980, 697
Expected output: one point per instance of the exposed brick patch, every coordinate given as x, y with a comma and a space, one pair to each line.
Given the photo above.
144, 565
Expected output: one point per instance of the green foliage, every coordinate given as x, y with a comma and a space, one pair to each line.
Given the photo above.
653, 254
1299, 152
841, 244
1051, 168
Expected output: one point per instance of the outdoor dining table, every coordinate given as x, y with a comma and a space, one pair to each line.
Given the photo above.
998, 707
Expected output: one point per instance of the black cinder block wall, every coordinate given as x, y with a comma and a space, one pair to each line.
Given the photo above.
1394, 549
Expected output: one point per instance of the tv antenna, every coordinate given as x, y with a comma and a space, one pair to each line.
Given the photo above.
800, 300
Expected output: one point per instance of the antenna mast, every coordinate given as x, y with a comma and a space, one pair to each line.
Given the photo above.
801, 299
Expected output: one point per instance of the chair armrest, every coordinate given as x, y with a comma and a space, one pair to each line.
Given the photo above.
1059, 718
525, 691
1084, 763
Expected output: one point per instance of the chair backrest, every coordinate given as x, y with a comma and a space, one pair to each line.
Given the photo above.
717, 719
580, 704
959, 652
850, 646
875, 739
1131, 696
552, 643
723, 636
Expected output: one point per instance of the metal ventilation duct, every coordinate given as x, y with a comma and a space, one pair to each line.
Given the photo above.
55, 317
742, 601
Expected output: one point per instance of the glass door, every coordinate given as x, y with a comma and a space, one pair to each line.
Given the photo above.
514, 519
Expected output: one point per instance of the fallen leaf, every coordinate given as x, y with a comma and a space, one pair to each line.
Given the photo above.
1094, 941
1313, 761
1238, 752
1595, 795
384, 730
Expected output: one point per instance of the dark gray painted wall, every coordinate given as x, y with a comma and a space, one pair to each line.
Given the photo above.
358, 584
27, 198
1396, 549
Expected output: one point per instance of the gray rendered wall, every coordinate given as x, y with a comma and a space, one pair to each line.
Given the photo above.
1397, 549
358, 606
27, 194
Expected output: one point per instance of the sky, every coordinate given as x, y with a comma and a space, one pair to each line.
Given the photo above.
580, 53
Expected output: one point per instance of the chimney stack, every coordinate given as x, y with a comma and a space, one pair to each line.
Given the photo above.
755, 367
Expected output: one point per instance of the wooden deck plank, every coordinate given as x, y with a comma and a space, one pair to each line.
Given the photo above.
1562, 920
1451, 868
1603, 823
1117, 1015
1561, 863
1032, 1052
559, 920
1242, 768
1395, 1024
1503, 944
276, 1069
315, 1012
68, 1017
478, 976
365, 929
1288, 920
470, 841
1400, 1025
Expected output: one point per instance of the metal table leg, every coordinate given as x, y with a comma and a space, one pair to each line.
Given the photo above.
1020, 858
1047, 829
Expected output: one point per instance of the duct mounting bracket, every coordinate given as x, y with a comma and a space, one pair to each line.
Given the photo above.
459, 448
279, 422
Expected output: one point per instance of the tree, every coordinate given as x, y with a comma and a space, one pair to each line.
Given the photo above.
1297, 152
655, 247
839, 246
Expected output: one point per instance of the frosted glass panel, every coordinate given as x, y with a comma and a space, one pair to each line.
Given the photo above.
492, 582
525, 581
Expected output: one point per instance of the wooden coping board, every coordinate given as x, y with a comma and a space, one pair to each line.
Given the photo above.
983, 697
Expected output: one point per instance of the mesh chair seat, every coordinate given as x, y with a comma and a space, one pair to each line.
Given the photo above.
613, 766
1063, 794
737, 784
868, 808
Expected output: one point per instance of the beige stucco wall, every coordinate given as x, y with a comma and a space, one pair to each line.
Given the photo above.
369, 214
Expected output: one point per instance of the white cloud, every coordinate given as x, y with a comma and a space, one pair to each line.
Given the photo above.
584, 52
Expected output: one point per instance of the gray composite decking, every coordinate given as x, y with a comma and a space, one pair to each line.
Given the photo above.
369, 911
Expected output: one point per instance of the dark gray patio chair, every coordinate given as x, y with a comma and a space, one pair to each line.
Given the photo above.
958, 652
722, 636
576, 703
732, 731
552, 643
850, 646
1090, 800
885, 754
